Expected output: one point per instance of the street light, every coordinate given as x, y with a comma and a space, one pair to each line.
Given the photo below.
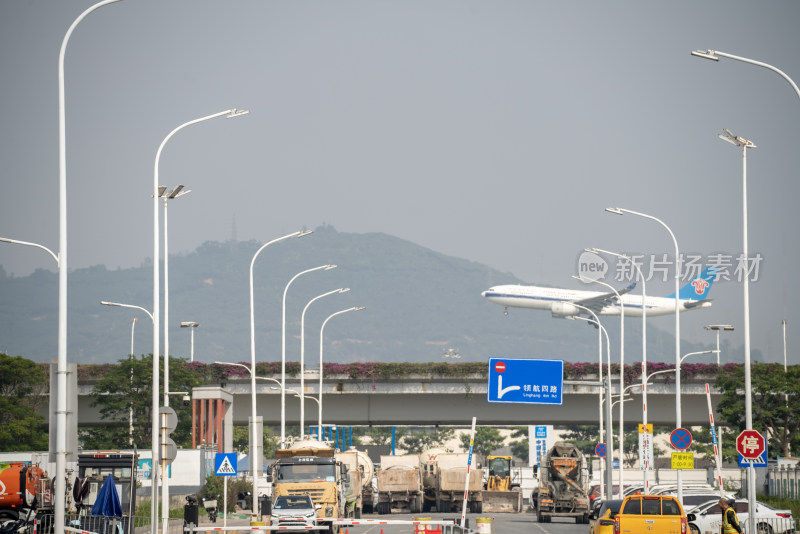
283, 345
620, 211
717, 328
155, 383
621, 372
714, 55
302, 351
748, 401
191, 325
609, 436
321, 337
641, 278
61, 400
157, 192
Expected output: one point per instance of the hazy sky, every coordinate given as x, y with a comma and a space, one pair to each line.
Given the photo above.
493, 131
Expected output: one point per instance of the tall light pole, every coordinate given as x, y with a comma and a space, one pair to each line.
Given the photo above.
321, 338
303, 352
641, 278
157, 191
130, 408
167, 195
253, 437
717, 328
191, 325
59, 509
620, 211
609, 435
283, 346
621, 375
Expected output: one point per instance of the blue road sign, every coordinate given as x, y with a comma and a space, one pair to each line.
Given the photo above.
526, 381
680, 438
225, 464
600, 449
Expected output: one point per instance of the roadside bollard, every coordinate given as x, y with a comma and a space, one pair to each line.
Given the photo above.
484, 525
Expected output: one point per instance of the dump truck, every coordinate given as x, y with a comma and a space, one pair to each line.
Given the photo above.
563, 481
361, 470
399, 484
309, 467
25, 490
501, 493
444, 481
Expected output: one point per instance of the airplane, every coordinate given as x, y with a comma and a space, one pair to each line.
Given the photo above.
564, 303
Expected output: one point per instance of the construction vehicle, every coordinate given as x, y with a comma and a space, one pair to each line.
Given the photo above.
501, 493
444, 479
563, 481
399, 484
361, 470
310, 468
25, 493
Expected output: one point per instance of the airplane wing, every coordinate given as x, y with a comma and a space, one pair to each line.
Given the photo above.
599, 302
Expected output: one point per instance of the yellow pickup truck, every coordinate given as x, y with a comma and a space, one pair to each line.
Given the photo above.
651, 514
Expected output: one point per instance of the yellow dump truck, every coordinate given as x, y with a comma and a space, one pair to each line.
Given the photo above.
310, 468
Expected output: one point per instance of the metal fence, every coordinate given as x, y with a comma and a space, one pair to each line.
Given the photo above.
764, 525
104, 525
784, 481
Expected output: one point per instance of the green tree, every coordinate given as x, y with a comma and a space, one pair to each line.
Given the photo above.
775, 402
23, 384
487, 440
417, 441
520, 448
382, 435
129, 386
582, 436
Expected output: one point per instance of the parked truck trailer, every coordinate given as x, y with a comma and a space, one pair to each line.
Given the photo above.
399, 484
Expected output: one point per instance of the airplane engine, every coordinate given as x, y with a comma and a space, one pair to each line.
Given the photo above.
564, 309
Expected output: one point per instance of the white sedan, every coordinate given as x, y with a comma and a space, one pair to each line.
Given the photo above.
708, 518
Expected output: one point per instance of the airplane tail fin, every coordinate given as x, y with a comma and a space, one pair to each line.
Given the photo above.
698, 288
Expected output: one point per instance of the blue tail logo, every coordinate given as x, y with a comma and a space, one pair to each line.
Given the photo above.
699, 288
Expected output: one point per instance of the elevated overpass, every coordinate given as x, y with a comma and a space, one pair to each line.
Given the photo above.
439, 400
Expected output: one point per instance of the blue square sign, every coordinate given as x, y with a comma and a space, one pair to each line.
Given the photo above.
526, 381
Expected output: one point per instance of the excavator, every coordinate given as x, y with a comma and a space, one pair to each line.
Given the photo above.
501, 494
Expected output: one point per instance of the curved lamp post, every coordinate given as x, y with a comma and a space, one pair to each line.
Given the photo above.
321, 337
59, 509
621, 374
641, 278
302, 352
157, 192
621, 211
283, 345
609, 437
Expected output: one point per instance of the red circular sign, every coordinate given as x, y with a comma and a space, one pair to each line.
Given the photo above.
681, 439
750, 444
500, 367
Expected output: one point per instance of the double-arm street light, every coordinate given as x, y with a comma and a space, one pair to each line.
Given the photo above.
621, 211
302, 352
283, 346
59, 509
321, 338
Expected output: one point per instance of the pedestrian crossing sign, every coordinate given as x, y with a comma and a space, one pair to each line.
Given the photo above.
225, 464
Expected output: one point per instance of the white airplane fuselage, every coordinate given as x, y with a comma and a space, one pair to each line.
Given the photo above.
560, 302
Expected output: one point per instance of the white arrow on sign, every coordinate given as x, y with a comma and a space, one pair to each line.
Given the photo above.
500, 390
